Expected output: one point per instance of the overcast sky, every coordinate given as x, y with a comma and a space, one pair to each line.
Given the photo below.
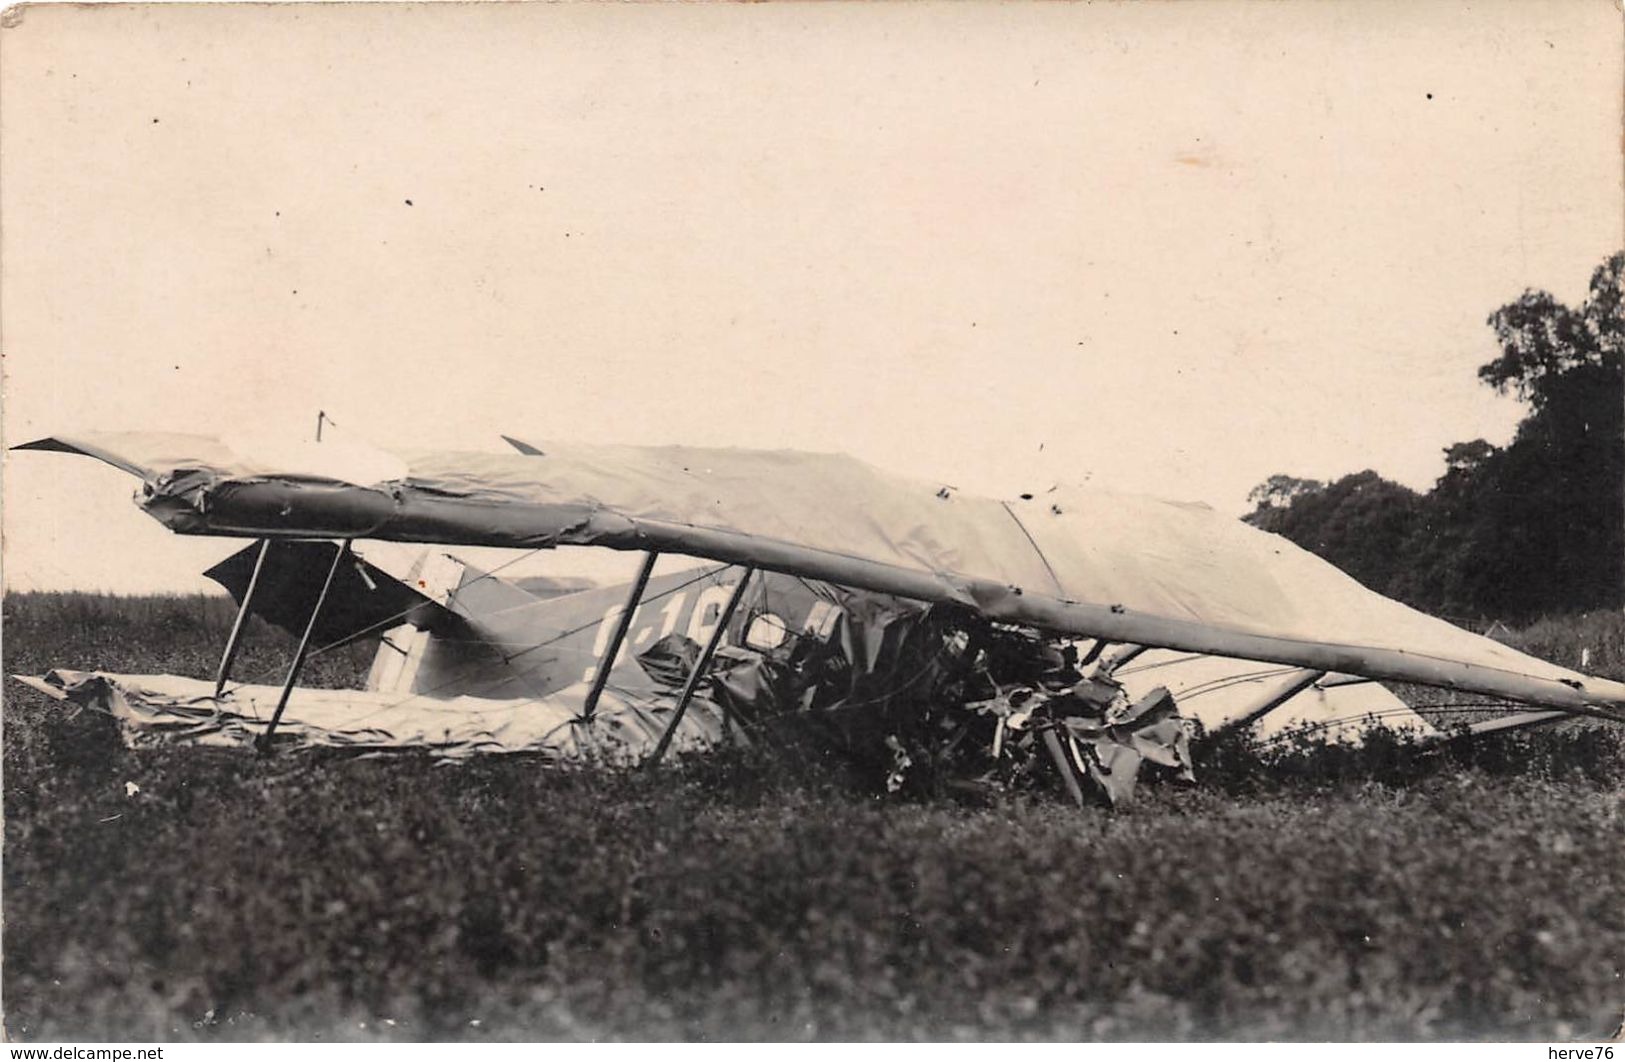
1173, 247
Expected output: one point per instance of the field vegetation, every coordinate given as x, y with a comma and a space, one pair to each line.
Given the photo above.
181, 894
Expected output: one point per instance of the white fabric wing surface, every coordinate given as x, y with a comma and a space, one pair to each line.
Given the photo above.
1084, 561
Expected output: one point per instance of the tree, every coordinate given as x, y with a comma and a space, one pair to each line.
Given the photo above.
1463, 461
1546, 348
1516, 532
1556, 494
1277, 492
1360, 523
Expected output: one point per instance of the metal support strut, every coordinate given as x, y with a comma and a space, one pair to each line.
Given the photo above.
1292, 684
700, 667
234, 640
1117, 657
263, 743
1053, 745
613, 650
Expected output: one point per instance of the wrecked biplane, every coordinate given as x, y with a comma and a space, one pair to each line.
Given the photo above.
1084, 627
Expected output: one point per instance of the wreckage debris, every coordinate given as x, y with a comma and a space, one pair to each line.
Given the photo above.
1079, 635
914, 691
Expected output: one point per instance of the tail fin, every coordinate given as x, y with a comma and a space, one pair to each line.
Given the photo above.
446, 628
373, 593
400, 594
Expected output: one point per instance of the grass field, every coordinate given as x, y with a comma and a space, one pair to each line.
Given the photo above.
1475, 894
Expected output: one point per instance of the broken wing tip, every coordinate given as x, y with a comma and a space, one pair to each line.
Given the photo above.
522, 446
49, 442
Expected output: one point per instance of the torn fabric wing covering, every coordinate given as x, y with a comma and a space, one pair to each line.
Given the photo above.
159, 709
1118, 566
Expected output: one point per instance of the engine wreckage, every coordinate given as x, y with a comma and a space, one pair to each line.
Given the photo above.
898, 621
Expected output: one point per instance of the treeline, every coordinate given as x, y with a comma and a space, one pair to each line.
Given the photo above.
1513, 533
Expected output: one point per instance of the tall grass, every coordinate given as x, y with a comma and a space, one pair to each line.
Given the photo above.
161, 634
1387, 894
1593, 642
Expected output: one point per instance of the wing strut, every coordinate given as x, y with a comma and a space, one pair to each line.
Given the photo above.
263, 742
1289, 687
1344, 680
1053, 745
1509, 722
234, 640
700, 667
1115, 658
613, 650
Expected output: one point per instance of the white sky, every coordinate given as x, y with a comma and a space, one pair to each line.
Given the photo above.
1173, 247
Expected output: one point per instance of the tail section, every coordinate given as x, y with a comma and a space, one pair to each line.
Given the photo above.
378, 589
450, 629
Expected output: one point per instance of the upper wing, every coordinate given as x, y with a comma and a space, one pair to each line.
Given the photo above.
1118, 566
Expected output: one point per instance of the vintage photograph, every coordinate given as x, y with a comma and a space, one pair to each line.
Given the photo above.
895, 521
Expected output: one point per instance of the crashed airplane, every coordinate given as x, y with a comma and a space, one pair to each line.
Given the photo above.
1080, 629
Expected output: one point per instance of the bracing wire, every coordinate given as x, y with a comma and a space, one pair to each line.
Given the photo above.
382, 624
463, 672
